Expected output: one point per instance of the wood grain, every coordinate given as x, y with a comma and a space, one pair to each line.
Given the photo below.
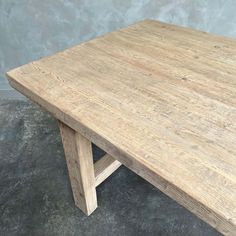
78, 152
159, 98
104, 167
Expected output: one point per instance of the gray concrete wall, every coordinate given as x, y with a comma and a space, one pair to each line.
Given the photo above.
30, 29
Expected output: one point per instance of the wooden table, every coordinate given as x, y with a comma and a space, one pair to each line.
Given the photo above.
159, 99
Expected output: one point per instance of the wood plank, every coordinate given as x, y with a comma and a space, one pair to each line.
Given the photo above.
159, 98
78, 152
104, 167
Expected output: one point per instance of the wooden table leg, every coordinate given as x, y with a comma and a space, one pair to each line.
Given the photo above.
78, 152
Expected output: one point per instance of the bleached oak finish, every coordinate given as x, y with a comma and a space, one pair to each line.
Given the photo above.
84, 175
78, 152
104, 167
160, 99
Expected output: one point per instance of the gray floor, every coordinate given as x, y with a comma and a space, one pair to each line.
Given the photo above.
35, 194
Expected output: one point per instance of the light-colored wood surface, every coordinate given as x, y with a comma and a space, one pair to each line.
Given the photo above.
160, 99
78, 152
104, 167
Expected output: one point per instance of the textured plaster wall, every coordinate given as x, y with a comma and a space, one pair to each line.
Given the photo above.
30, 29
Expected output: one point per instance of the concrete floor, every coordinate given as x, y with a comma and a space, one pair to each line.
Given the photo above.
35, 193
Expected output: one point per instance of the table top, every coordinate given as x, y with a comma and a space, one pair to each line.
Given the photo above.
164, 96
